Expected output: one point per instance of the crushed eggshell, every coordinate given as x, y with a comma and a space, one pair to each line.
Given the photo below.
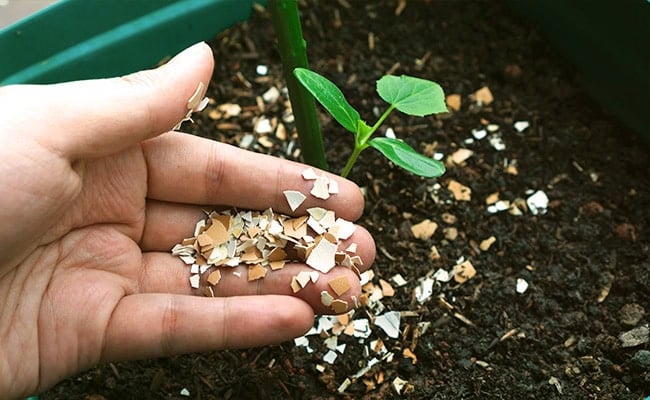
276, 265
483, 96
399, 385
345, 228
263, 241
485, 244
352, 248
263, 126
295, 285
325, 298
344, 385
332, 186
214, 277
453, 102
424, 230
407, 353
498, 206
448, 218
492, 198
320, 189
339, 306
497, 143
461, 155
434, 254
463, 272
521, 286
229, 110
271, 95
389, 323
398, 280
424, 291
309, 174
303, 278
256, 272
294, 198
511, 168
330, 356
386, 289
537, 203
442, 275
339, 285
460, 191
479, 134
450, 233
195, 103
521, 126
322, 256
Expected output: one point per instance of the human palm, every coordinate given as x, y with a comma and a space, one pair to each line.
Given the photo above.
91, 201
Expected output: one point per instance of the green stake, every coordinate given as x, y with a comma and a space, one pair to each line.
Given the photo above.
292, 46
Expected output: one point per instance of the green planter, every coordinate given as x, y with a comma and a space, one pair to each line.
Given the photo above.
608, 42
80, 39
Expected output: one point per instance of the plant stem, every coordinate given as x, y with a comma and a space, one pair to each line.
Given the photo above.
353, 158
292, 46
380, 121
361, 142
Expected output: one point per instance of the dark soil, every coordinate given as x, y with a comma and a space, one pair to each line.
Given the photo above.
585, 260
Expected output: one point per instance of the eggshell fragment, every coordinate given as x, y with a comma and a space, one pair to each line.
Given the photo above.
322, 255
339, 306
256, 272
214, 277
309, 174
325, 298
321, 188
340, 284
294, 198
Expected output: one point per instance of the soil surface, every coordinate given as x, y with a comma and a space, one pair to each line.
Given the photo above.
579, 330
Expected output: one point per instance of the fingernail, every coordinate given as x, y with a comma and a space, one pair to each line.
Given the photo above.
194, 49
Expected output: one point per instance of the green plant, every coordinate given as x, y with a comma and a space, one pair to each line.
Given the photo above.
412, 96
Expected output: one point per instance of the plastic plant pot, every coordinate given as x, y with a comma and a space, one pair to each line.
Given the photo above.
607, 42
80, 39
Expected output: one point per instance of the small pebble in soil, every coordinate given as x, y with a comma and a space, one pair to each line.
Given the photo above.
630, 314
635, 337
642, 358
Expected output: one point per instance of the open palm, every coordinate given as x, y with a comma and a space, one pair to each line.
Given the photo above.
92, 198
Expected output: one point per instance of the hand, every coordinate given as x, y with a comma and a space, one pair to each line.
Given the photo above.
93, 195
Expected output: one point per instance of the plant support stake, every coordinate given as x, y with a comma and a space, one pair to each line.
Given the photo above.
292, 47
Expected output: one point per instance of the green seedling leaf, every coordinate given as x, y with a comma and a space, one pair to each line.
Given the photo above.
405, 157
413, 96
330, 97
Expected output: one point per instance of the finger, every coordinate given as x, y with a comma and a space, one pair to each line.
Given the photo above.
154, 325
163, 273
100, 117
188, 169
168, 223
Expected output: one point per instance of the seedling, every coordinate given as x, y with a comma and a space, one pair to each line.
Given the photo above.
412, 96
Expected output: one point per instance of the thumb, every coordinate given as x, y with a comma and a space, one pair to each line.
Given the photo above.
99, 117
